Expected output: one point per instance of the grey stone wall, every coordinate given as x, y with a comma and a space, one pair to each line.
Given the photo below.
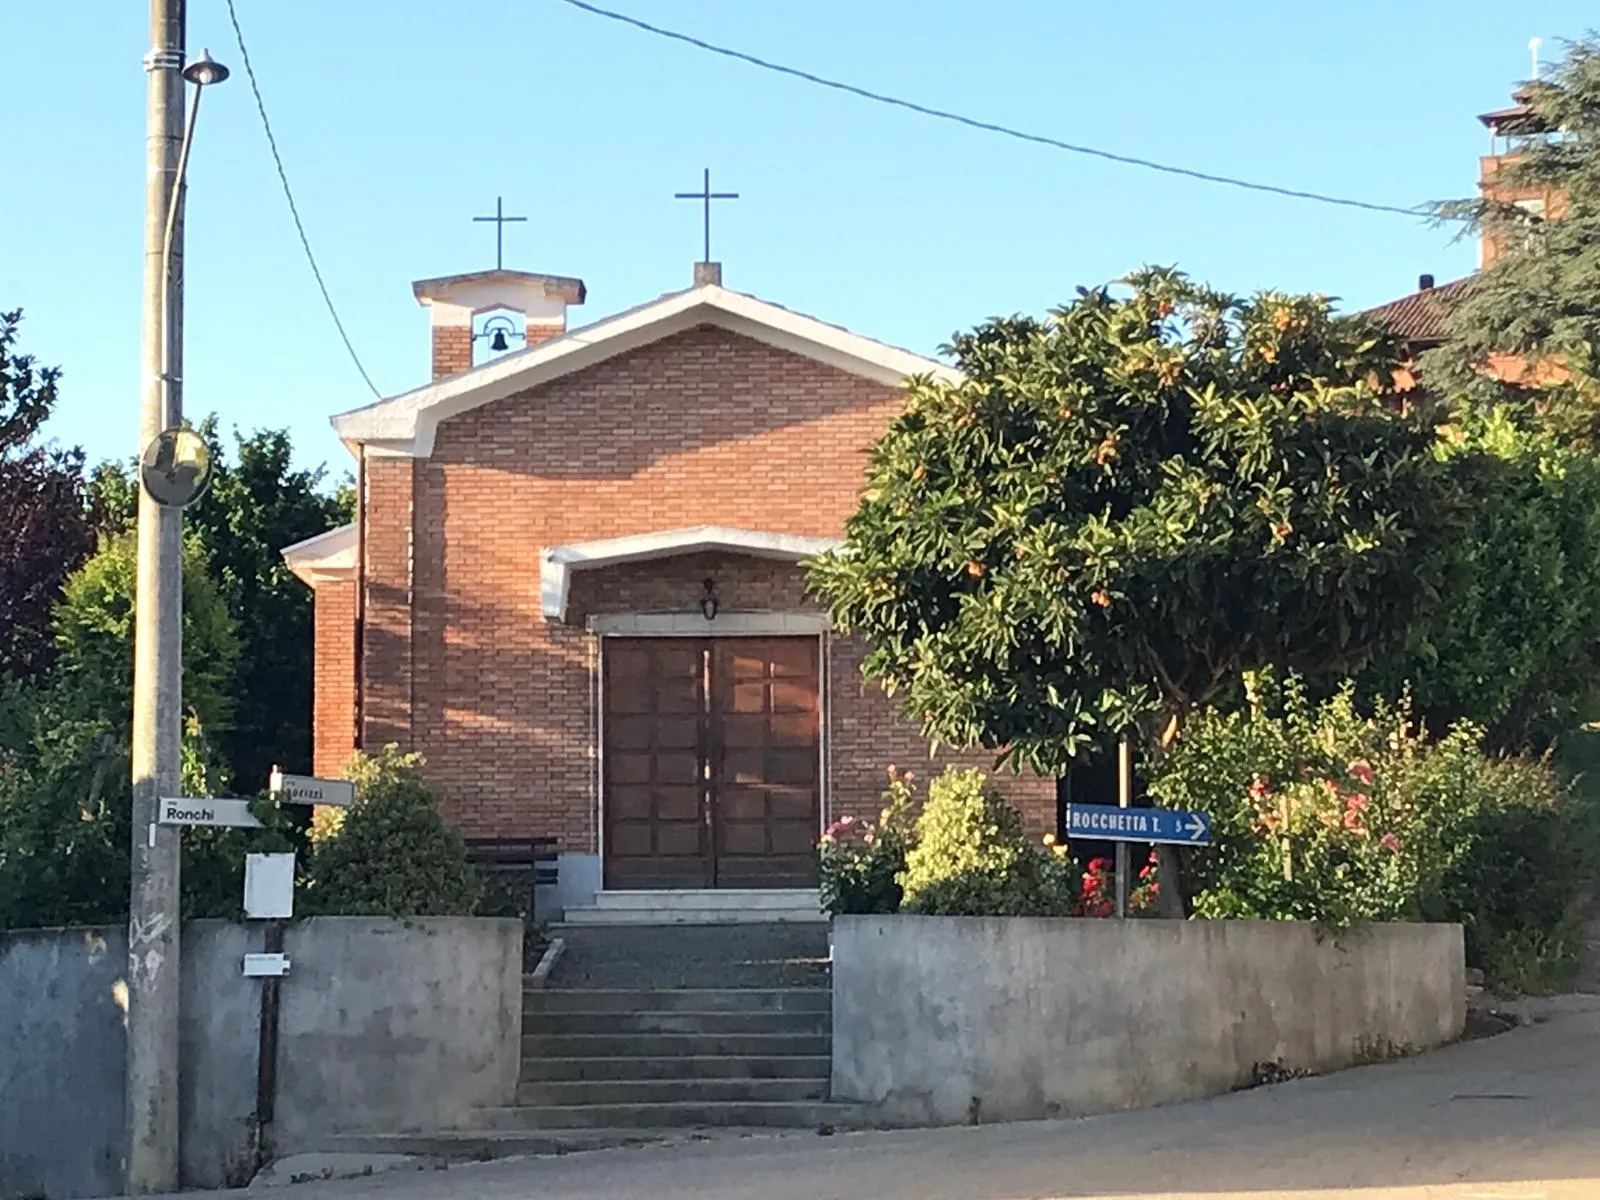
385, 1026
948, 1020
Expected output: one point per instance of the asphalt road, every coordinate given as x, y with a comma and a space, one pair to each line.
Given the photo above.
1513, 1117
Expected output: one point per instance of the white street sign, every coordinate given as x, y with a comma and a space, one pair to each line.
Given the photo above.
265, 966
198, 810
269, 886
307, 789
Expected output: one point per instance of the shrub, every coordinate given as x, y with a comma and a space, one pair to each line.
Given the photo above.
971, 857
860, 862
391, 853
1322, 813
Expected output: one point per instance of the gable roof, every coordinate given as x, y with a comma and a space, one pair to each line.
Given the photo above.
1420, 317
406, 424
327, 556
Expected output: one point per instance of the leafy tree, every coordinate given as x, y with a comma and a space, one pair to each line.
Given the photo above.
1517, 649
94, 633
257, 504
44, 535
1538, 304
65, 802
1118, 511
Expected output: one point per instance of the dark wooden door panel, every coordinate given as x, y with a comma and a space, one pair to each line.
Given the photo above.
712, 773
655, 750
765, 771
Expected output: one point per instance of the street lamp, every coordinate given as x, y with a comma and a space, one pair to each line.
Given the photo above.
202, 72
172, 474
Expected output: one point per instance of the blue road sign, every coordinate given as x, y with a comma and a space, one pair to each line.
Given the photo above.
1108, 823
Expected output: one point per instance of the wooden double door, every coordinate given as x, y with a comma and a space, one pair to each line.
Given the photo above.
712, 767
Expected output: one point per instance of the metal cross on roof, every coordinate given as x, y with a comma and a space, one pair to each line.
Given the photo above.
705, 195
500, 221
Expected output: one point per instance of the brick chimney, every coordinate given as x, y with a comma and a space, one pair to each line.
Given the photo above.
453, 301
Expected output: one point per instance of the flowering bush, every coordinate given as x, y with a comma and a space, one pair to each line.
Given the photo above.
860, 862
964, 855
1322, 813
1097, 896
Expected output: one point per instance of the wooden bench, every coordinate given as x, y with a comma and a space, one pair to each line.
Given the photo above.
531, 856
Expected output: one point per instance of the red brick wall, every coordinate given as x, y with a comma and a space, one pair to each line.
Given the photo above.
452, 349
704, 427
386, 674
334, 694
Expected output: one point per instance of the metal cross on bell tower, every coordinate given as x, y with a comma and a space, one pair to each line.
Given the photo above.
500, 222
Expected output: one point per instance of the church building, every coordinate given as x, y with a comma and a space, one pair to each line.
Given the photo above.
575, 585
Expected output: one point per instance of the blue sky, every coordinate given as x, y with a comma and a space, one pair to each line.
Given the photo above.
401, 120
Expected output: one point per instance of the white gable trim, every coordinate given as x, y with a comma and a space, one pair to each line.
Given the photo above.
328, 556
406, 424
557, 563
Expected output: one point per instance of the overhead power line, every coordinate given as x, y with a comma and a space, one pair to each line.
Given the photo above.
288, 194
989, 126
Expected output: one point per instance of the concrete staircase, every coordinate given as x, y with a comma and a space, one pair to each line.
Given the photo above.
672, 1059
646, 1033
678, 1027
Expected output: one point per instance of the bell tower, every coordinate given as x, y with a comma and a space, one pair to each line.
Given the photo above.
1511, 131
455, 302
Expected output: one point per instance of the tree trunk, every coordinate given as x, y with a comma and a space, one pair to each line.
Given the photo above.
1172, 902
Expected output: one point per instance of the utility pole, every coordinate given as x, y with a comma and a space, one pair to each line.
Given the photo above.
157, 657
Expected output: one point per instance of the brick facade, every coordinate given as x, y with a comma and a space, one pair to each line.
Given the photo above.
701, 427
334, 692
452, 349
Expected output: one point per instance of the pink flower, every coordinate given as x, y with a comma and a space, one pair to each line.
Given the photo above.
1390, 843
1357, 802
839, 826
1361, 771
1258, 788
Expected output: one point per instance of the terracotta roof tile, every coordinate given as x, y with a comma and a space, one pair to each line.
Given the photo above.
1419, 317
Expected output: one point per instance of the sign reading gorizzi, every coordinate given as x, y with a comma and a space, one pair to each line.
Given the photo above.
308, 789
194, 810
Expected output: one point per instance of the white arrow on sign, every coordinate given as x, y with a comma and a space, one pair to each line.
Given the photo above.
1195, 827
308, 789
206, 810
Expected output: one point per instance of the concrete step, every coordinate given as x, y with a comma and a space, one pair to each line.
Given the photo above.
729, 900
700, 1000
661, 1045
670, 1114
807, 914
762, 956
480, 1145
656, 1091
552, 1023
685, 1067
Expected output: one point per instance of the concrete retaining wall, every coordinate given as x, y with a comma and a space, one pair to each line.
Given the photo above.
950, 1020
385, 1026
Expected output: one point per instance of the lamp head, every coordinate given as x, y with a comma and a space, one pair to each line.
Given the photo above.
205, 70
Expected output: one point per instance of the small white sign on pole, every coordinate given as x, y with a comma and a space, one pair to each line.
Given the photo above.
265, 966
308, 789
269, 886
206, 810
